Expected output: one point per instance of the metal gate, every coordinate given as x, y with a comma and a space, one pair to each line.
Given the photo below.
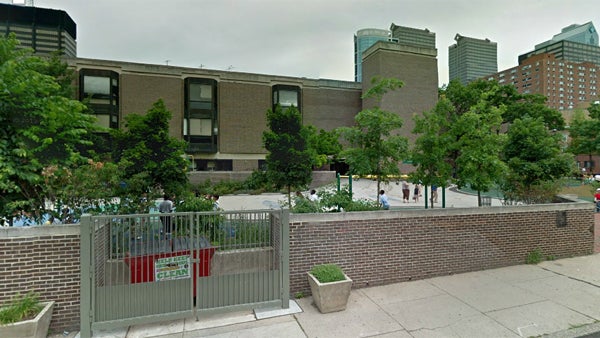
153, 267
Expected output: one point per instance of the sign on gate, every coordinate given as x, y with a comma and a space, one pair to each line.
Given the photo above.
169, 268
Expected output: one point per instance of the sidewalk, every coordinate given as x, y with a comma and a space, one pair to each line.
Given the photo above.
555, 299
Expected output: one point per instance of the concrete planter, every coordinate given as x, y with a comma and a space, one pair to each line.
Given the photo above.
34, 328
330, 297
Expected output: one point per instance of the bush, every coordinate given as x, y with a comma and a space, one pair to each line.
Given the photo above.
327, 273
21, 308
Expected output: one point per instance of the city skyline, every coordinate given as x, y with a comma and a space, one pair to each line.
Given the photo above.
314, 40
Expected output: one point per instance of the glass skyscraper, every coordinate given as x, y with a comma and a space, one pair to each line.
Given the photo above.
470, 59
363, 39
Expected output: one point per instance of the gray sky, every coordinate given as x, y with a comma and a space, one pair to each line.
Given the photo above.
304, 38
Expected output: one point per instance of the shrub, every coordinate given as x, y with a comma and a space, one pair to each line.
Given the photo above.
327, 273
535, 256
21, 308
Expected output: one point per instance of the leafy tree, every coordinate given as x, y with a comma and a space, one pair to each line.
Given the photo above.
585, 133
374, 148
432, 146
535, 160
41, 126
147, 156
478, 145
289, 161
323, 145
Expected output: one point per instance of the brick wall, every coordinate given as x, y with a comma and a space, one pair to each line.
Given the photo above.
384, 247
44, 260
373, 247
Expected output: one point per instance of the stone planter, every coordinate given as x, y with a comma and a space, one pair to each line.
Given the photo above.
35, 328
330, 297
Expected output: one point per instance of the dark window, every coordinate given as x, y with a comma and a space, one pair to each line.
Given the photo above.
100, 88
214, 165
200, 123
286, 96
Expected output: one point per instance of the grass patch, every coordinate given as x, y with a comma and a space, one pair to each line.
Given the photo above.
21, 308
327, 273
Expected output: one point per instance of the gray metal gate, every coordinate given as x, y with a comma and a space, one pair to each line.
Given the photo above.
153, 267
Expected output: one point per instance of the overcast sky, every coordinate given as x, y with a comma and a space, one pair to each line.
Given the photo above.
304, 38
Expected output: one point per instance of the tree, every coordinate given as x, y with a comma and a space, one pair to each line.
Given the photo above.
374, 148
478, 145
585, 134
148, 157
289, 162
323, 145
41, 127
432, 146
535, 160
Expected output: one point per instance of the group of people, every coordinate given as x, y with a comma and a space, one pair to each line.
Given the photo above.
417, 194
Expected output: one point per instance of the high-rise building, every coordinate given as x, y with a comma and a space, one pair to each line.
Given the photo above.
41, 29
363, 39
566, 84
470, 59
413, 37
575, 43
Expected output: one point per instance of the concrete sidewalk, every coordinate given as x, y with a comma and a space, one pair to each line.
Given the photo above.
554, 299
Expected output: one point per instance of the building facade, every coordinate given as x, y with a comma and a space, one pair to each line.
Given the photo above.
41, 29
413, 37
363, 39
567, 85
470, 59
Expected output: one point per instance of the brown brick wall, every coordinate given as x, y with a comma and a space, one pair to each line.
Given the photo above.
139, 92
327, 108
243, 117
386, 247
45, 261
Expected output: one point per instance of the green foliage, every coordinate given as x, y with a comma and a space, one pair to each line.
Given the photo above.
145, 150
41, 126
21, 308
333, 201
327, 273
288, 160
189, 202
299, 295
374, 148
536, 162
535, 256
324, 146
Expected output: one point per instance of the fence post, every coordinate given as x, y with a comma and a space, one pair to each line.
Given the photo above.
85, 261
285, 258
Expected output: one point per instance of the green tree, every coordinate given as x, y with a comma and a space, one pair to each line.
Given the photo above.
323, 145
41, 126
148, 157
289, 161
585, 134
478, 145
374, 148
535, 160
432, 146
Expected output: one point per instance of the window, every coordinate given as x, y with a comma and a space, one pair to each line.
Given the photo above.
101, 89
200, 123
286, 96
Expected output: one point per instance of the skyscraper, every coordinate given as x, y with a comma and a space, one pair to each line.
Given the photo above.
41, 29
363, 39
413, 37
470, 59
575, 43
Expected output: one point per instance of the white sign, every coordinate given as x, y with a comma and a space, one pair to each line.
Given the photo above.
169, 268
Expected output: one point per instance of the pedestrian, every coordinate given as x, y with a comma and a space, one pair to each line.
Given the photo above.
597, 199
417, 192
405, 192
313, 196
216, 205
383, 200
166, 207
434, 194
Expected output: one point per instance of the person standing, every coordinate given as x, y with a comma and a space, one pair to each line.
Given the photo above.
383, 200
166, 207
434, 194
405, 192
417, 192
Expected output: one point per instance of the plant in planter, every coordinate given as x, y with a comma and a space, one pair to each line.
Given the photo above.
330, 287
26, 316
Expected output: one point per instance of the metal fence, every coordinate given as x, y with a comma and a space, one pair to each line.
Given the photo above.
152, 267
